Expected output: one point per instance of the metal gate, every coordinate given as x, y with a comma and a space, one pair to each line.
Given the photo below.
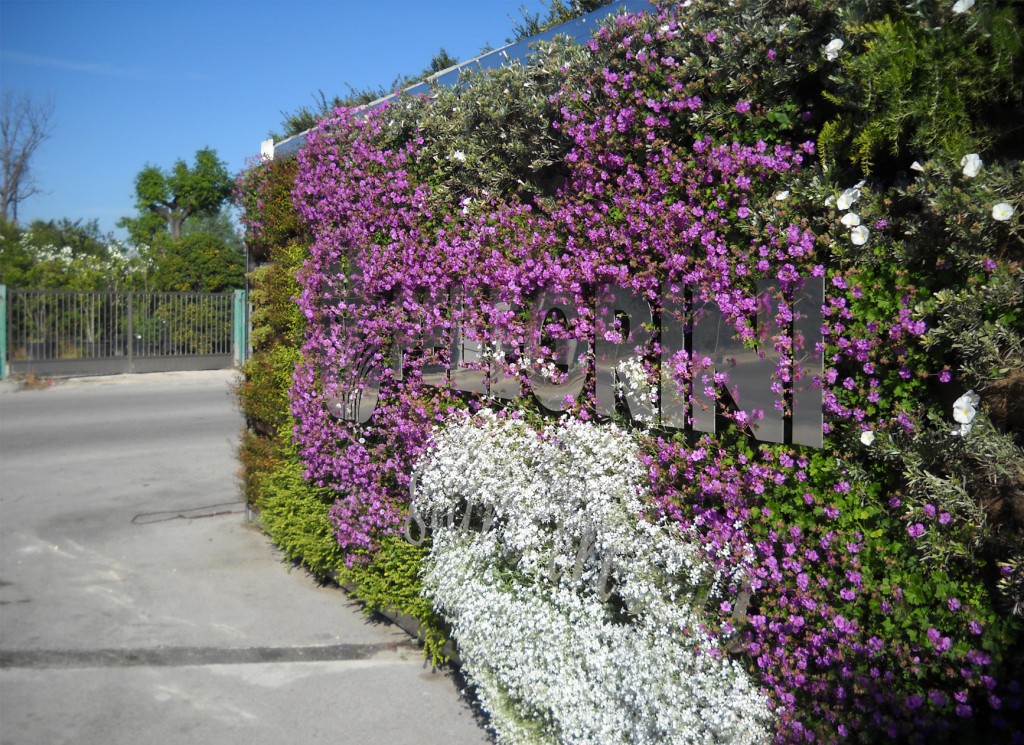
63, 332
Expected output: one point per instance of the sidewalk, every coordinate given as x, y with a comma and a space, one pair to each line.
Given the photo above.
138, 605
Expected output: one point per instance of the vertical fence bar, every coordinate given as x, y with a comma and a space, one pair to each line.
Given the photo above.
3, 332
240, 327
131, 333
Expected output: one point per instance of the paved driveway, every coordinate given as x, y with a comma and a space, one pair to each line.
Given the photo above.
138, 606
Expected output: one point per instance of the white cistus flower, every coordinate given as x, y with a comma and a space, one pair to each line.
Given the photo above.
832, 49
867, 437
851, 219
916, 166
971, 164
459, 157
779, 196
859, 235
849, 197
965, 408
962, 6
1002, 212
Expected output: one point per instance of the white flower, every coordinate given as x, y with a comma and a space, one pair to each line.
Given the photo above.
832, 49
781, 195
965, 408
459, 156
830, 200
972, 165
962, 6
867, 437
1002, 212
859, 235
915, 166
961, 430
851, 219
848, 197
529, 530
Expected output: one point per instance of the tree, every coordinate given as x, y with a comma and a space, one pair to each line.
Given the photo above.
165, 199
199, 262
24, 126
68, 255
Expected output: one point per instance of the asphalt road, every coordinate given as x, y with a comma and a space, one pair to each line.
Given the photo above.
137, 605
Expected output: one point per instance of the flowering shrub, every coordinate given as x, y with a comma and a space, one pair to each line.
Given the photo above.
525, 590
871, 588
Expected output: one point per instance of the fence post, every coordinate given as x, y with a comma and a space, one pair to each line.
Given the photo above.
131, 334
3, 332
240, 327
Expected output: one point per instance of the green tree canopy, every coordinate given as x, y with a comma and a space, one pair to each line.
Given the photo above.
66, 254
165, 199
198, 262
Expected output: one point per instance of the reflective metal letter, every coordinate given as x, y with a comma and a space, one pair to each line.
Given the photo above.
570, 355
627, 316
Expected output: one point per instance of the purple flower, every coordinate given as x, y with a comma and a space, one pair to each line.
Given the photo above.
742, 107
953, 604
945, 376
916, 530
710, 37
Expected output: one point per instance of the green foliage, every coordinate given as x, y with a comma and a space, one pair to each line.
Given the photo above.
391, 582
264, 194
198, 262
294, 515
926, 81
220, 224
263, 394
165, 199
66, 255
483, 137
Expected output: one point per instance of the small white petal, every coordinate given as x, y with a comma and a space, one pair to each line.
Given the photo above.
962, 6
848, 197
915, 166
971, 164
1002, 212
832, 49
859, 235
781, 195
851, 219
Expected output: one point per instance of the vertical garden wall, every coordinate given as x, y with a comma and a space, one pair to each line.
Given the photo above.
676, 377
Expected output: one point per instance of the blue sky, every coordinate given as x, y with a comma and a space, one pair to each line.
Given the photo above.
137, 82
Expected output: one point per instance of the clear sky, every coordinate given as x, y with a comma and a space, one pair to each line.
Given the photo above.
138, 82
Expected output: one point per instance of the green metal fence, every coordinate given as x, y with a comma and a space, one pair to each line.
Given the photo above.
63, 332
